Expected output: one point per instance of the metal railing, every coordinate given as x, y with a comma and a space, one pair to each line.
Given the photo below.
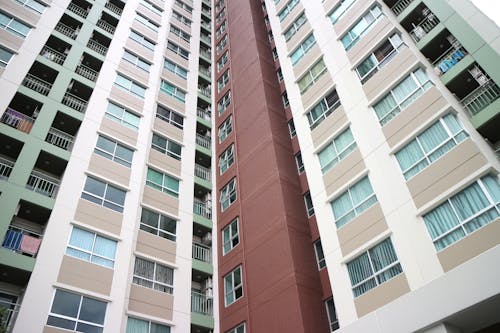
481, 97
205, 71
201, 303
204, 113
60, 139
8, 319
41, 183
106, 26
205, 38
202, 172
115, 9
14, 241
206, 54
74, 102
18, 120
203, 141
34, 83
53, 55
206, 12
78, 10
6, 166
205, 91
67, 31
96, 46
449, 58
426, 25
202, 208
202, 253
87, 72
206, 25
400, 6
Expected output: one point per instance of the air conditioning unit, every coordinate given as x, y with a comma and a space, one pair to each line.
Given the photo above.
207, 239
478, 75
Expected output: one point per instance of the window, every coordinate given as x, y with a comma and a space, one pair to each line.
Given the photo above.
361, 28
178, 50
341, 146
136, 61
373, 267
122, 116
302, 49
295, 26
103, 194
222, 61
270, 36
355, 200
320, 257
158, 224
288, 8
279, 73
148, 23
114, 151
220, 30
162, 182
238, 329
181, 18
228, 194
275, 54
223, 80
180, 33
323, 109
332, 314
309, 204
291, 128
33, 5
340, 10
402, 95
152, 275
5, 56
143, 326
222, 44
76, 312
300, 164
88, 246
184, 6
230, 236
155, 9
225, 129
430, 145
173, 91
166, 146
226, 159
224, 102
170, 116
284, 100
176, 69
13, 25
220, 16
312, 76
138, 38
130, 86
379, 58
233, 287
465, 212
219, 5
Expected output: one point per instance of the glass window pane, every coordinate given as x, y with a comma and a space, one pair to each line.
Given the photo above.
94, 186
93, 311
82, 239
115, 195
137, 326
66, 304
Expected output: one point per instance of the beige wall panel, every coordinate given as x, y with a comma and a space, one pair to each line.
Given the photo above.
176, 58
171, 102
10, 41
330, 4
158, 3
22, 13
99, 217
140, 50
151, 302
317, 89
332, 123
471, 246
85, 275
165, 162
343, 172
118, 131
130, 70
309, 59
174, 79
389, 73
291, 16
446, 172
126, 99
179, 41
49, 329
183, 11
160, 201
149, 14
352, 15
109, 169
145, 31
293, 42
368, 42
381, 295
416, 114
361, 229
155, 246
167, 129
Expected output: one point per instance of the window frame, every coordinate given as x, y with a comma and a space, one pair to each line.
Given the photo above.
8, 26
309, 74
91, 253
26, 3
132, 86
167, 288
150, 24
299, 162
137, 60
233, 233
175, 68
225, 129
149, 323
180, 33
320, 255
174, 91
304, 47
167, 150
309, 204
375, 13
237, 329
326, 109
171, 115
125, 112
233, 287
295, 26
343, 6
228, 194
112, 155
175, 48
282, 15
5, 63
224, 103
159, 231
339, 155
226, 159
163, 187
103, 199
223, 80
142, 40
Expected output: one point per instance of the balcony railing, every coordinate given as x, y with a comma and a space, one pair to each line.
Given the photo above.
205, 38
43, 184
481, 97
202, 208
22, 241
74, 102
8, 319
202, 172
60, 139
96, 46
203, 141
400, 6
205, 91
106, 26
206, 12
18, 120
115, 9
205, 25
87, 72
67, 31
201, 303
34, 83
205, 71
206, 54
449, 58
6, 167
426, 25
78, 10
202, 253
204, 113
53, 55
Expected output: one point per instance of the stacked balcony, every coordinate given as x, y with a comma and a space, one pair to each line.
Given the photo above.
55, 50
115, 6
68, 26
420, 22
21, 113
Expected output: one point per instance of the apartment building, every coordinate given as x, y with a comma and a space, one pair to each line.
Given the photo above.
345, 179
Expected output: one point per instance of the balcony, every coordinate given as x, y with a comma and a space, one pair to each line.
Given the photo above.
449, 59
74, 102
204, 113
202, 172
42, 183
60, 139
66, 30
113, 8
36, 84
398, 7
205, 90
202, 253
97, 47
206, 38
77, 96
420, 22
18, 120
78, 10
207, 12
206, 53
6, 166
87, 72
106, 26
203, 141
481, 97
201, 303
22, 240
53, 55
202, 208
9, 315
205, 71
206, 25
423, 28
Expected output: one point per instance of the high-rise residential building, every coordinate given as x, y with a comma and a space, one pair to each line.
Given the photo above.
249, 166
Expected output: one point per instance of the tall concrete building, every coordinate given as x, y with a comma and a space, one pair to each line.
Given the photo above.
340, 174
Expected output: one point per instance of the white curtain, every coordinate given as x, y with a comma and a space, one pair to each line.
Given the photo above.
137, 326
